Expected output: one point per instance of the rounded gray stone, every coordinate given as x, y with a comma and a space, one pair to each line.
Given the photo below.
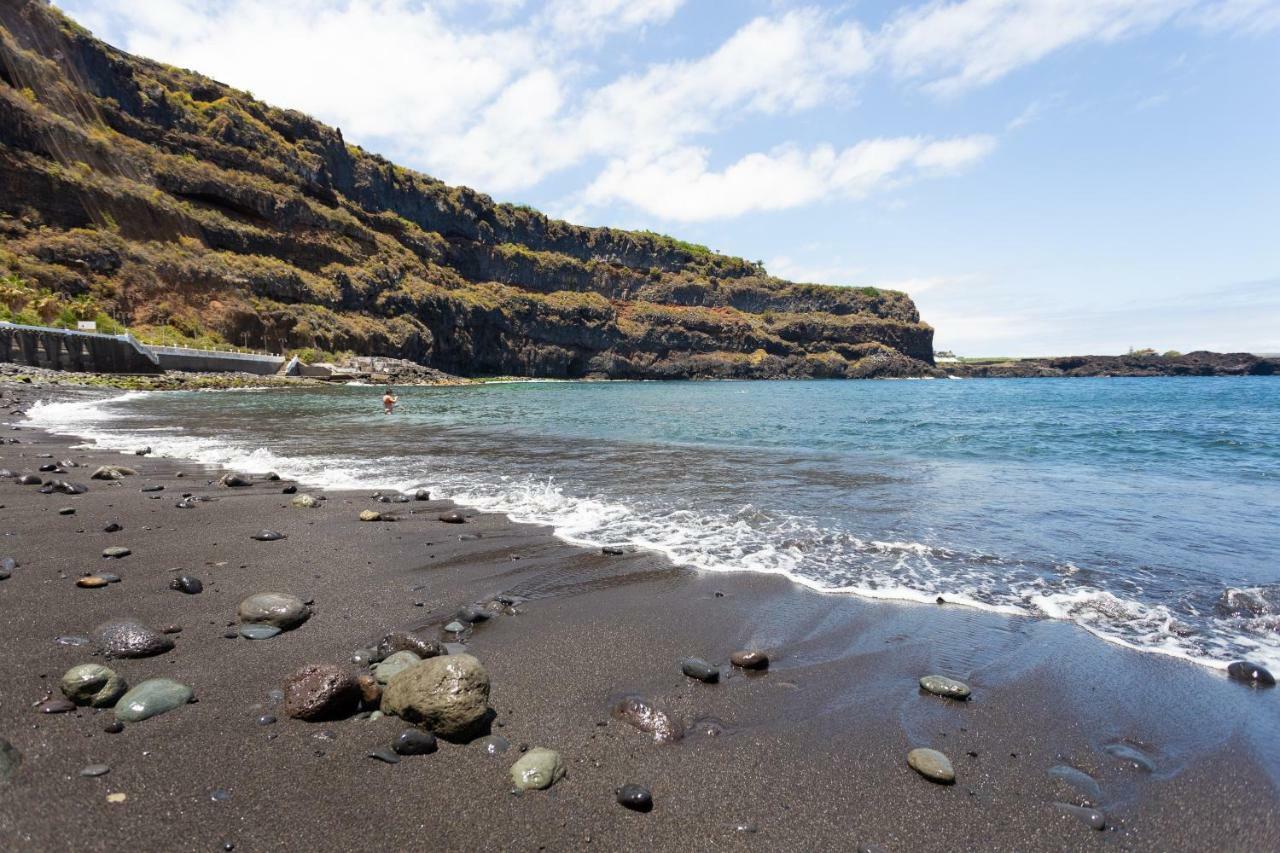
940, 685
280, 609
393, 664
932, 765
125, 638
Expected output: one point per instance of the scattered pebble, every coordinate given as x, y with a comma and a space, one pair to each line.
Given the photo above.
455, 627
289, 490
278, 609
124, 638
537, 769
113, 527
453, 518
116, 552
932, 765
266, 719
267, 536
370, 690
259, 632
750, 659
940, 685
493, 745
187, 584
152, 488
321, 692
304, 502
95, 770
414, 742
648, 717
403, 641
635, 797
117, 797
114, 727
92, 582
385, 755
1251, 673
370, 515
56, 706
151, 698
235, 481
93, 684
67, 510
111, 472
394, 664
700, 669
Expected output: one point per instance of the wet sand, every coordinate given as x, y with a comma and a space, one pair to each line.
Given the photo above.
809, 755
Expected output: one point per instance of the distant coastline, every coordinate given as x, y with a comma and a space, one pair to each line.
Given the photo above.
1199, 363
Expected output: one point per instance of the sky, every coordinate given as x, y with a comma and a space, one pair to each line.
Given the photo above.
1044, 177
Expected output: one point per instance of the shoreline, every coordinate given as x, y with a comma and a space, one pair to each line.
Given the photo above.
896, 594
810, 753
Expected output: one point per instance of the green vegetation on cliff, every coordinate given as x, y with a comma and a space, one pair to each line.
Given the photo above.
156, 197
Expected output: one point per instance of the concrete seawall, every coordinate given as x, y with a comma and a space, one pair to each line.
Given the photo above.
67, 349
215, 361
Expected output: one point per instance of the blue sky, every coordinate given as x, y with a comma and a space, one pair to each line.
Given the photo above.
1042, 176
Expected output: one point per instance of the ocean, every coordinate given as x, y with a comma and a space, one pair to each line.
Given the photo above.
1143, 510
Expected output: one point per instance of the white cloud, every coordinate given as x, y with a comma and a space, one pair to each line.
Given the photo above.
960, 45
1252, 17
955, 46
492, 93
593, 18
678, 185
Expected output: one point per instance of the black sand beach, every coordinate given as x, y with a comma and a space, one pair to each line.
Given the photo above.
808, 755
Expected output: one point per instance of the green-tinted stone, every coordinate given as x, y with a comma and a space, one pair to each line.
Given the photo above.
93, 684
537, 769
150, 698
393, 664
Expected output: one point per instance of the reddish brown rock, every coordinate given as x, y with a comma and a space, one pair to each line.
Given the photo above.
321, 692
370, 690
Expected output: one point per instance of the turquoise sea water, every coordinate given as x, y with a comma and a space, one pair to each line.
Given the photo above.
1145, 510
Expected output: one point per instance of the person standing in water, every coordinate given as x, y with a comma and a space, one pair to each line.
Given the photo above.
389, 401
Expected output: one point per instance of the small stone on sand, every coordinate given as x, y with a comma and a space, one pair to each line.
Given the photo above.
537, 769
932, 765
635, 797
940, 685
700, 669
750, 659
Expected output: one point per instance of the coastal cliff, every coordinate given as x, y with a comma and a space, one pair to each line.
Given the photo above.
139, 193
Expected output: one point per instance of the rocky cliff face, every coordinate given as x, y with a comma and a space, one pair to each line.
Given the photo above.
193, 212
